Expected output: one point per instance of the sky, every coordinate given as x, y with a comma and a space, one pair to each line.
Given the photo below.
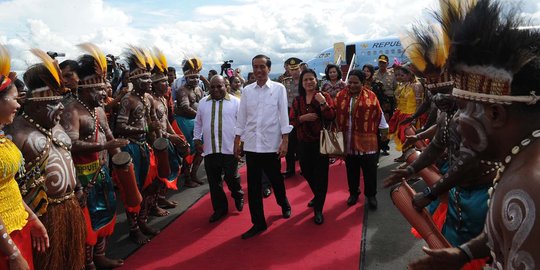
209, 29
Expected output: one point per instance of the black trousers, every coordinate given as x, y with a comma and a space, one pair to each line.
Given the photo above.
270, 164
292, 149
368, 165
315, 170
216, 165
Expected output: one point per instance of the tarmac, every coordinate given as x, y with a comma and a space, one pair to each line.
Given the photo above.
387, 243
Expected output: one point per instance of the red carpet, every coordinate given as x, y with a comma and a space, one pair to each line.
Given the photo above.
191, 242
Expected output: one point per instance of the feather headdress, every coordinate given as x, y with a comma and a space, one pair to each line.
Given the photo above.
44, 80
92, 66
192, 67
5, 67
159, 73
137, 61
488, 49
428, 46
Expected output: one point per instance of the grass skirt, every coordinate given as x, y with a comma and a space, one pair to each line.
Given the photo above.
66, 228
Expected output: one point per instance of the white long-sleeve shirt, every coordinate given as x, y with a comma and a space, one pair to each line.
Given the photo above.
263, 117
214, 124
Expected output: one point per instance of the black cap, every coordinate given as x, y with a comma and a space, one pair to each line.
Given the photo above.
293, 63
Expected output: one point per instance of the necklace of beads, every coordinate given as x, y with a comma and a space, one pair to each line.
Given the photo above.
143, 100
46, 132
514, 152
93, 114
494, 166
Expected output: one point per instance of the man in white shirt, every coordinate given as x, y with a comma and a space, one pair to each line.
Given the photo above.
216, 115
263, 126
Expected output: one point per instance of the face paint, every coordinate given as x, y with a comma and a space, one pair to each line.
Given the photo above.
53, 111
470, 126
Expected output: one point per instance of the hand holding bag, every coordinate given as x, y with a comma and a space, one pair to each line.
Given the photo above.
331, 141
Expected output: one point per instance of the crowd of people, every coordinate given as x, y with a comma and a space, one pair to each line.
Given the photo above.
463, 113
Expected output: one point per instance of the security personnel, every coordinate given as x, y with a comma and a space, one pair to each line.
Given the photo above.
291, 84
388, 102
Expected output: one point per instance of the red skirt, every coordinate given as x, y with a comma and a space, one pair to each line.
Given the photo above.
23, 240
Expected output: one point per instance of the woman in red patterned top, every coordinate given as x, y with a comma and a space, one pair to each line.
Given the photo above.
359, 115
309, 109
333, 83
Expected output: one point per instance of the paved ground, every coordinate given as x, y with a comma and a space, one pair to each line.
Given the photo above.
388, 241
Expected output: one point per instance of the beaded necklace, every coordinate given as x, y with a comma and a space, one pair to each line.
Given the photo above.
93, 114
514, 152
143, 100
494, 166
46, 132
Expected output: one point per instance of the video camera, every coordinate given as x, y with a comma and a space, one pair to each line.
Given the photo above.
53, 55
226, 67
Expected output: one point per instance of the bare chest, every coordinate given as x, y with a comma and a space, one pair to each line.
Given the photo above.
511, 226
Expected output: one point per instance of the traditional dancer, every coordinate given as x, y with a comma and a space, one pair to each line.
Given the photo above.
177, 145
50, 181
460, 215
86, 124
187, 102
496, 69
137, 122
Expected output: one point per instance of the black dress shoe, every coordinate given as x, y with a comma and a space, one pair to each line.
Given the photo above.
286, 211
253, 231
352, 200
372, 202
216, 216
319, 218
310, 203
239, 203
267, 192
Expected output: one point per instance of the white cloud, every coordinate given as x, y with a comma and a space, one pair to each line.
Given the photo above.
238, 30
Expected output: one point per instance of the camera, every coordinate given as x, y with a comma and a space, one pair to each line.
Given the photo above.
53, 55
226, 68
226, 64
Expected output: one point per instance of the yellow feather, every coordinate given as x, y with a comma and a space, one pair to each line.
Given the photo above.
441, 48
161, 58
98, 55
5, 61
48, 62
141, 59
414, 52
148, 57
156, 62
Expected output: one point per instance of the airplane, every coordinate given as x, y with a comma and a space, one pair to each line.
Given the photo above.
365, 52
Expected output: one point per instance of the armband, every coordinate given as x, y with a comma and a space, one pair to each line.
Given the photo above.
428, 193
465, 249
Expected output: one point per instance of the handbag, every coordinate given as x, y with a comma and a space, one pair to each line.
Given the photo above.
331, 141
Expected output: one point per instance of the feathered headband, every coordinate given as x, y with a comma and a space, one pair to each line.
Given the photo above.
428, 47
159, 73
50, 75
94, 69
5, 67
192, 67
140, 62
488, 49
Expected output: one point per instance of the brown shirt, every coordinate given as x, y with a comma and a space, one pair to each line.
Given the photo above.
388, 80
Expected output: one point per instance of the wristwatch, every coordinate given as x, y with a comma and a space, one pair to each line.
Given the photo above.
428, 193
